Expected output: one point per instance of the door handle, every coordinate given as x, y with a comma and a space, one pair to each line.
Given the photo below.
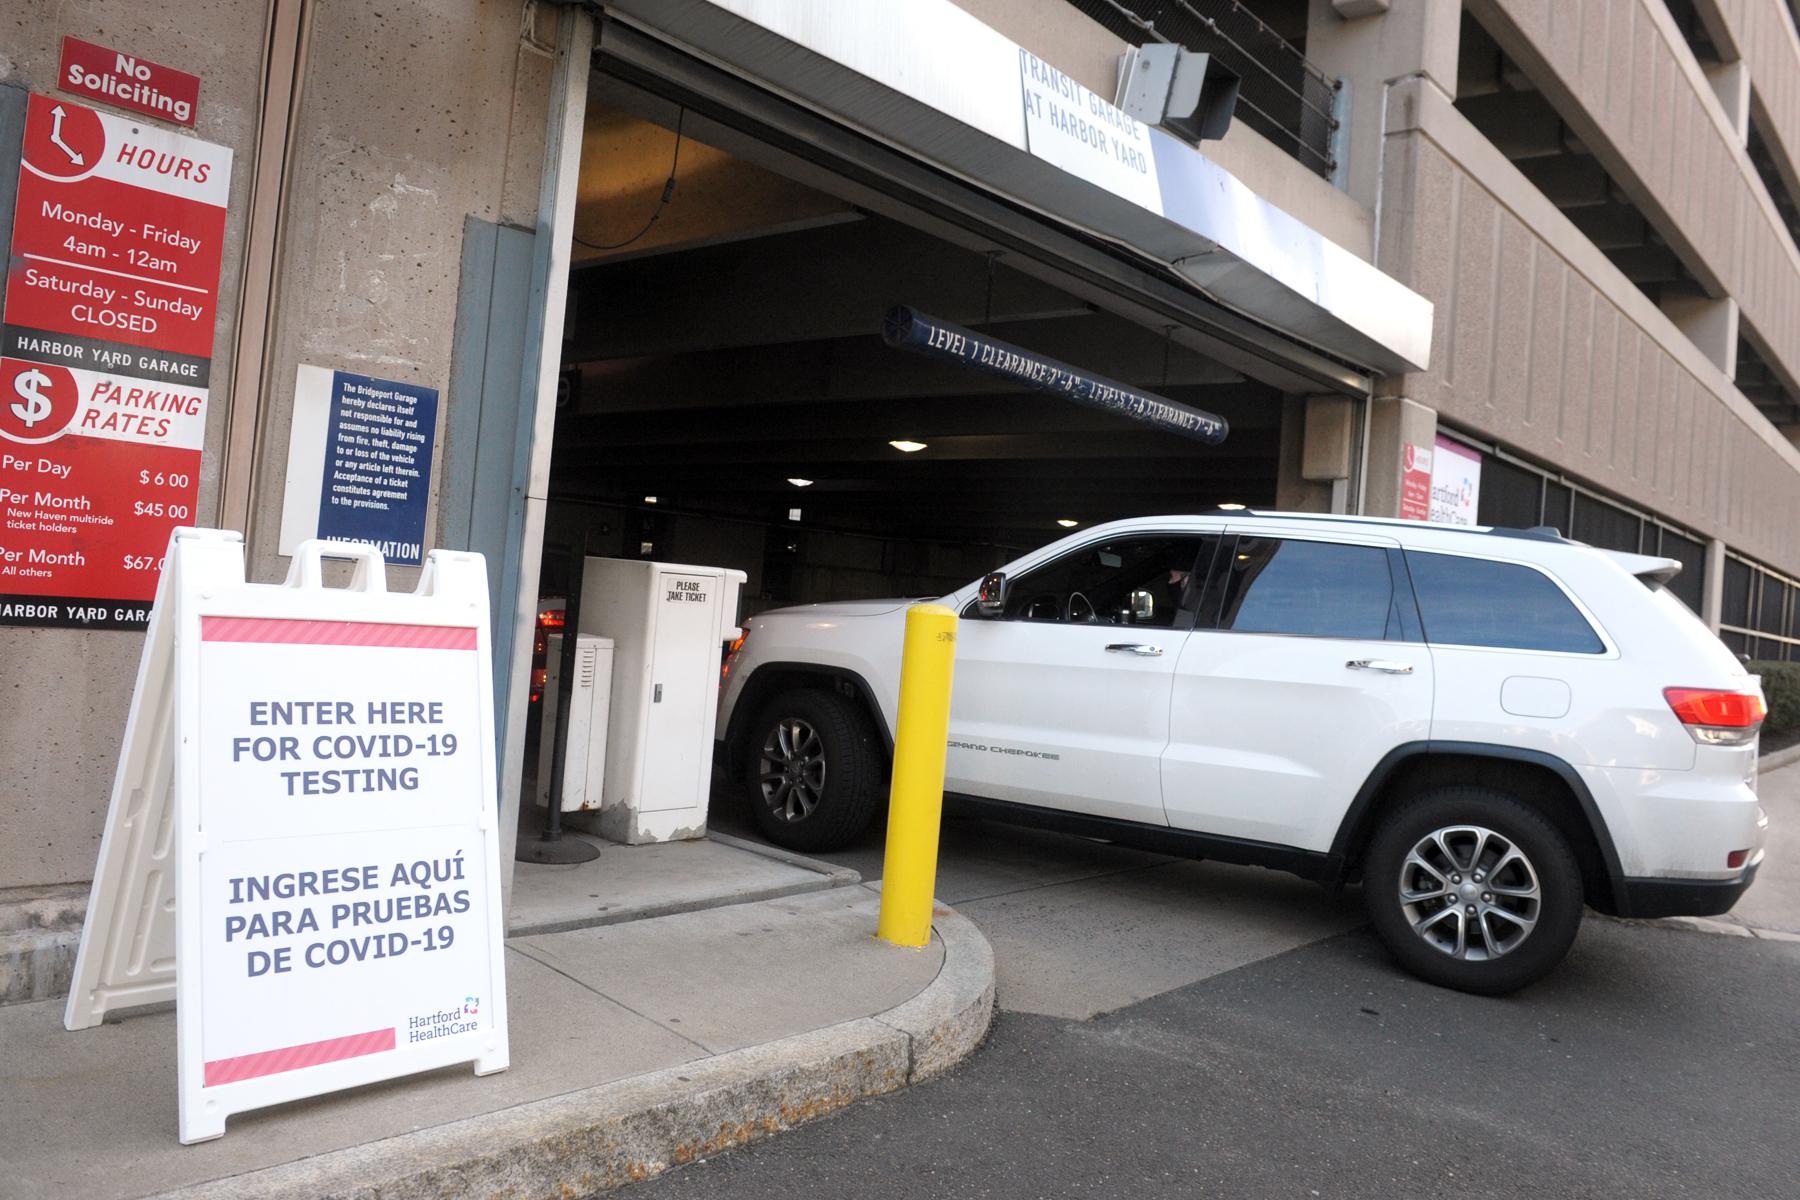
1386, 666
1137, 648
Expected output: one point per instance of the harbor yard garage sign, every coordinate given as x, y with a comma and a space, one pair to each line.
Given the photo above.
105, 362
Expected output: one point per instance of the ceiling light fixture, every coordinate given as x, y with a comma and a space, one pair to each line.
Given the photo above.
907, 446
1066, 523
649, 499
1232, 506
800, 482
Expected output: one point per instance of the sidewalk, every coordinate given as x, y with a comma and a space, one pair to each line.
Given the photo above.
1771, 908
1773, 902
636, 1045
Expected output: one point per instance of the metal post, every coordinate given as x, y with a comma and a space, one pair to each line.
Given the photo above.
916, 798
550, 847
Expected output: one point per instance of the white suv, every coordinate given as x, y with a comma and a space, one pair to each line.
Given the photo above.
1486, 727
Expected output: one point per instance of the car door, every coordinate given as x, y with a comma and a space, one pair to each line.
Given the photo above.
1063, 702
1307, 667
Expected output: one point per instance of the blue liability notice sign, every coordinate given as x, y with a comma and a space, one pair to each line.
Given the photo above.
359, 464
378, 464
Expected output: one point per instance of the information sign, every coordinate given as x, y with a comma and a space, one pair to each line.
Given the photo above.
1083, 133
1455, 483
324, 758
105, 361
359, 462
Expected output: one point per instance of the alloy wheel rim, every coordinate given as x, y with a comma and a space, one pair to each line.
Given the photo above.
791, 769
1470, 893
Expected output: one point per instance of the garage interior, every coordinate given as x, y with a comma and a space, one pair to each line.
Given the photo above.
728, 399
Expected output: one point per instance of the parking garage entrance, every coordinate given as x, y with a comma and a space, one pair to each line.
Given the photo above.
728, 399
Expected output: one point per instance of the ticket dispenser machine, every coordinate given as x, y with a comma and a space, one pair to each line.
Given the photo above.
668, 624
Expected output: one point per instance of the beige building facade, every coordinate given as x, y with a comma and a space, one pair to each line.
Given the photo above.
1560, 235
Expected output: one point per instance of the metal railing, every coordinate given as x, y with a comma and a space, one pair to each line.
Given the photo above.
1283, 97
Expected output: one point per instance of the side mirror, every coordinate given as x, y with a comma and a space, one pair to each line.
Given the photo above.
1143, 608
991, 600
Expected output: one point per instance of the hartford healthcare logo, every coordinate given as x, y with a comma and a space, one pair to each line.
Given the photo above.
462, 1018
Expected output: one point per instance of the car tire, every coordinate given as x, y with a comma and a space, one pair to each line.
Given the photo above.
813, 770
1472, 889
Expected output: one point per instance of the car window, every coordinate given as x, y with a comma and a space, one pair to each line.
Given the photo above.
1314, 589
1478, 602
1144, 581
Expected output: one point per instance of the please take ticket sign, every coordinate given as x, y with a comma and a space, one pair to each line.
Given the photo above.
324, 758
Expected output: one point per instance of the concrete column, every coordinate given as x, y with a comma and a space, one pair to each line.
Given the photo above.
1712, 585
1328, 447
1369, 45
1294, 492
1731, 84
1394, 423
1712, 325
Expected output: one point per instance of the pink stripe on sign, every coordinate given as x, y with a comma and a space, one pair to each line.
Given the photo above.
336, 633
293, 1058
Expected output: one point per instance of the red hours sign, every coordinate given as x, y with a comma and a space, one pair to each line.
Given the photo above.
1415, 482
105, 361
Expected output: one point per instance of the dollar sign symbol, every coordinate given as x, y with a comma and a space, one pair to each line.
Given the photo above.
32, 406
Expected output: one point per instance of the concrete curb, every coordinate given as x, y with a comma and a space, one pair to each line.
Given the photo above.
36, 964
40, 930
602, 1137
839, 876
1778, 760
644, 912
1728, 925
829, 876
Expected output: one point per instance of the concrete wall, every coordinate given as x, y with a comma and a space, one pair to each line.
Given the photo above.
1620, 74
1061, 34
1415, 39
1543, 344
64, 692
1761, 34
414, 114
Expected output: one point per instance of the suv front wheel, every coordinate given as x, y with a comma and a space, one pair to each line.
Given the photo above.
813, 770
1472, 889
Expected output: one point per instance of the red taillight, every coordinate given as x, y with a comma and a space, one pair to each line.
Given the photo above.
731, 653
552, 618
1701, 706
1736, 859
1717, 718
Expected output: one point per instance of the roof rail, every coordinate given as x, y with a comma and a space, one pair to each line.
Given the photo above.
1537, 533
1308, 516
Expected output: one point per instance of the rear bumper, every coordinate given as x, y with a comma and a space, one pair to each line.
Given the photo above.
1640, 897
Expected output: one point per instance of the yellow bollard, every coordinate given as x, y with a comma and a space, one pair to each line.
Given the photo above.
916, 797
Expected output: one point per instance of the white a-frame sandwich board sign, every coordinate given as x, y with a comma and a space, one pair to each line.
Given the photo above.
302, 849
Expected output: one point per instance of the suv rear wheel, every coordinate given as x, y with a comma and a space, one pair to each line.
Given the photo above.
1473, 890
813, 770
